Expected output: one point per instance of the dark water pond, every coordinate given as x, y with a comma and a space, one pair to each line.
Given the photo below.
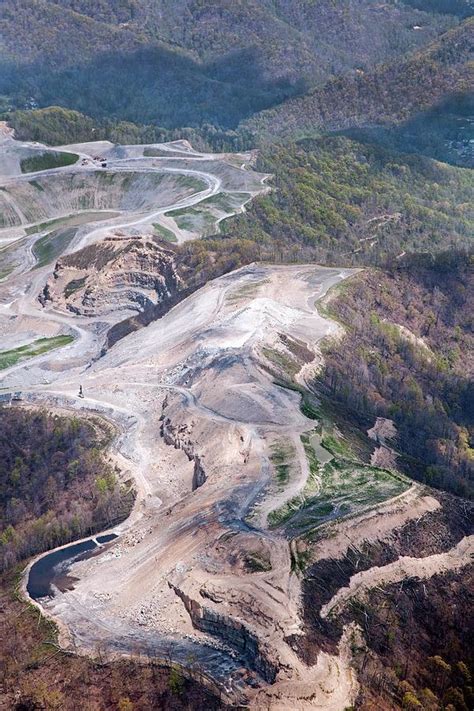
52, 568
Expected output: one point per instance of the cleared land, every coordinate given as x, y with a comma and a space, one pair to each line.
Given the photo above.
212, 440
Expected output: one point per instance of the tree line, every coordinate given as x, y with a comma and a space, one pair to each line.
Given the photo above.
55, 483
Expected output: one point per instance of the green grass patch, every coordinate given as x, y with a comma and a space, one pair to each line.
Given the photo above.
70, 221
283, 361
183, 212
187, 181
201, 217
192, 219
336, 445
161, 153
47, 248
11, 256
42, 226
309, 408
335, 489
38, 347
299, 560
164, 232
337, 486
282, 455
73, 286
226, 202
37, 185
47, 160
247, 291
186, 222
257, 563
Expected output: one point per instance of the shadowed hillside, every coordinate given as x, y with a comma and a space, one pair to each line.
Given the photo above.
185, 64
390, 93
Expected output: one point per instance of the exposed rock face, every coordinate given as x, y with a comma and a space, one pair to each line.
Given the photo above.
119, 274
233, 633
179, 437
199, 476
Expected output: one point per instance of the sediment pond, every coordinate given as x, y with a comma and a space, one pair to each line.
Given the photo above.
52, 568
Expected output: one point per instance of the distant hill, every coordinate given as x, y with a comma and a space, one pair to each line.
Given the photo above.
392, 92
197, 61
445, 131
461, 8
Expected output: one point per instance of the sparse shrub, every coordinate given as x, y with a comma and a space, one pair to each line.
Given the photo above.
176, 681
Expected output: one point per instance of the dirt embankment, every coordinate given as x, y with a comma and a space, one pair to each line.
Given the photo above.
451, 522
396, 615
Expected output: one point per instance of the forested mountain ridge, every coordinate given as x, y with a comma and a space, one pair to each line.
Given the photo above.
340, 201
408, 355
141, 61
390, 93
323, 35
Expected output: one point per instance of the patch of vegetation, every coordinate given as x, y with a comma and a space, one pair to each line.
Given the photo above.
226, 202
336, 445
201, 221
310, 409
11, 257
74, 286
164, 232
282, 456
194, 219
257, 563
36, 184
188, 221
283, 361
188, 181
334, 489
47, 248
46, 161
5, 272
299, 560
246, 291
69, 220
38, 347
